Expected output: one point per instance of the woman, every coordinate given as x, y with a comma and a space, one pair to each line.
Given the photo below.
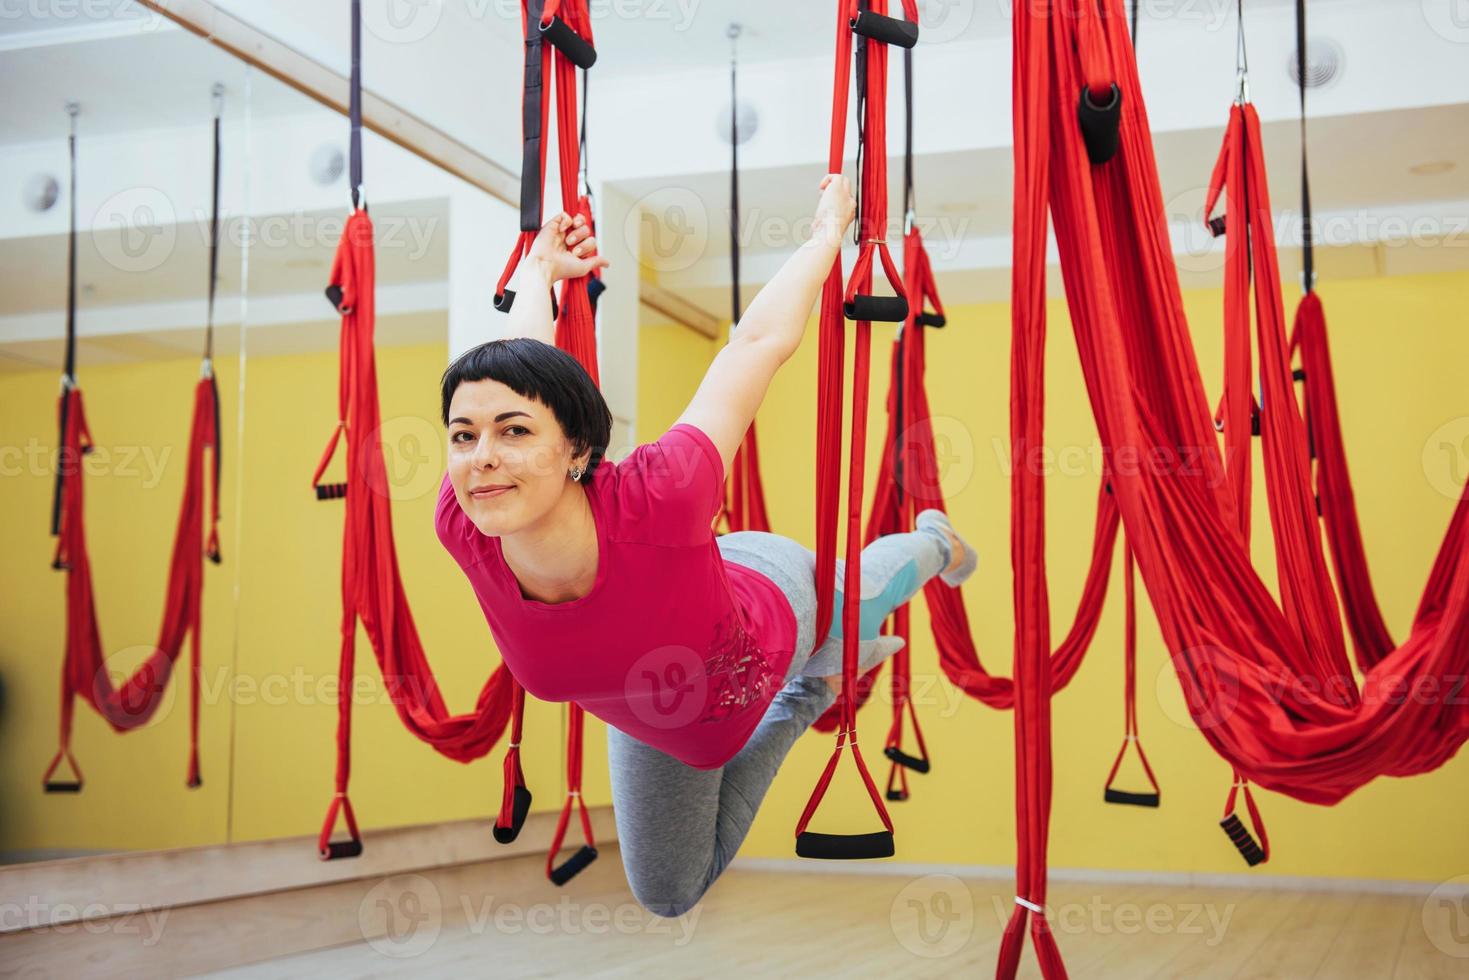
604, 584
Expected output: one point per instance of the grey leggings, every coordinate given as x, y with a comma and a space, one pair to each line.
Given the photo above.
679, 827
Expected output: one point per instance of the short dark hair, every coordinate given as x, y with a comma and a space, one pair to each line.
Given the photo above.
545, 374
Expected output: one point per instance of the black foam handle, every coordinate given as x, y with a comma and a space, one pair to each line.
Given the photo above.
1299, 374
905, 760
897, 795
1255, 423
1217, 226
339, 849
1131, 799
1249, 849
215, 557
519, 807
595, 288
334, 294
932, 320
195, 782
573, 865
845, 847
63, 786
888, 30
569, 43
60, 566
1100, 124
882, 309
505, 300
331, 491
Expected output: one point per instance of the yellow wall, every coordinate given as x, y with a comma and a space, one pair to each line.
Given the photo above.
1397, 346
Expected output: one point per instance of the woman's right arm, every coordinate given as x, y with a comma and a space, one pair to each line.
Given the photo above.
771, 329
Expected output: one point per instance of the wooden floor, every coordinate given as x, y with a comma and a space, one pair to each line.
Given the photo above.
493, 919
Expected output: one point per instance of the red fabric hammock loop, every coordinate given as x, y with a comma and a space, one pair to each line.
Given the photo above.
872, 232
1130, 734
136, 700
574, 865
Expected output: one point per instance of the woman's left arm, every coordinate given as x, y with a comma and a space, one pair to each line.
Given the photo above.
771, 330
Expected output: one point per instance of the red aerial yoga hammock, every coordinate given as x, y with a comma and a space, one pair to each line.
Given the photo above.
84, 671
908, 482
372, 590
1269, 686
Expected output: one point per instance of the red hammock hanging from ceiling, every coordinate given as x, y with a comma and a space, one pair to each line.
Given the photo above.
1269, 686
372, 590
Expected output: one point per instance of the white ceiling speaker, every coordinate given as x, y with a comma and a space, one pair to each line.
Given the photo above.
40, 193
1324, 63
749, 122
327, 164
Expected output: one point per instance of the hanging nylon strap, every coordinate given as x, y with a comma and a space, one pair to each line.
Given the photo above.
211, 547
516, 799
1253, 847
859, 305
744, 494
587, 853
355, 107
68, 370
1308, 232
1129, 701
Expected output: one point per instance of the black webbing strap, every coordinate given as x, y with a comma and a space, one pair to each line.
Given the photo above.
530, 121
68, 370
1308, 244
734, 181
581, 152
907, 133
214, 227
214, 282
355, 105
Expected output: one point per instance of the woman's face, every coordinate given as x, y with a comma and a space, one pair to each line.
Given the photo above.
508, 458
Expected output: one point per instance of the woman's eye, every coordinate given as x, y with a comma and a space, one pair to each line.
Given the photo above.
462, 436
517, 430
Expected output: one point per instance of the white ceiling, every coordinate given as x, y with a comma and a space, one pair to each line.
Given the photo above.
129, 81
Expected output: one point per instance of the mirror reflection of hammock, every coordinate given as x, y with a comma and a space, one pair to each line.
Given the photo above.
134, 701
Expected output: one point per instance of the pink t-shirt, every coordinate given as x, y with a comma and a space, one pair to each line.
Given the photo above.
673, 646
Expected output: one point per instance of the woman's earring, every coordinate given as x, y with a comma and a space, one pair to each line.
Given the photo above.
575, 474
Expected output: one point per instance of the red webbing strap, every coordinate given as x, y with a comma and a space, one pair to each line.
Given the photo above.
84, 670
1130, 734
563, 873
507, 825
872, 230
1338, 505
744, 507
1254, 848
1236, 416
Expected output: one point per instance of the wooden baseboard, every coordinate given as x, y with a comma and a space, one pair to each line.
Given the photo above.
54, 893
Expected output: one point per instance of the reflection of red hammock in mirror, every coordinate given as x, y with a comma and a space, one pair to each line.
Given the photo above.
134, 702
84, 674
